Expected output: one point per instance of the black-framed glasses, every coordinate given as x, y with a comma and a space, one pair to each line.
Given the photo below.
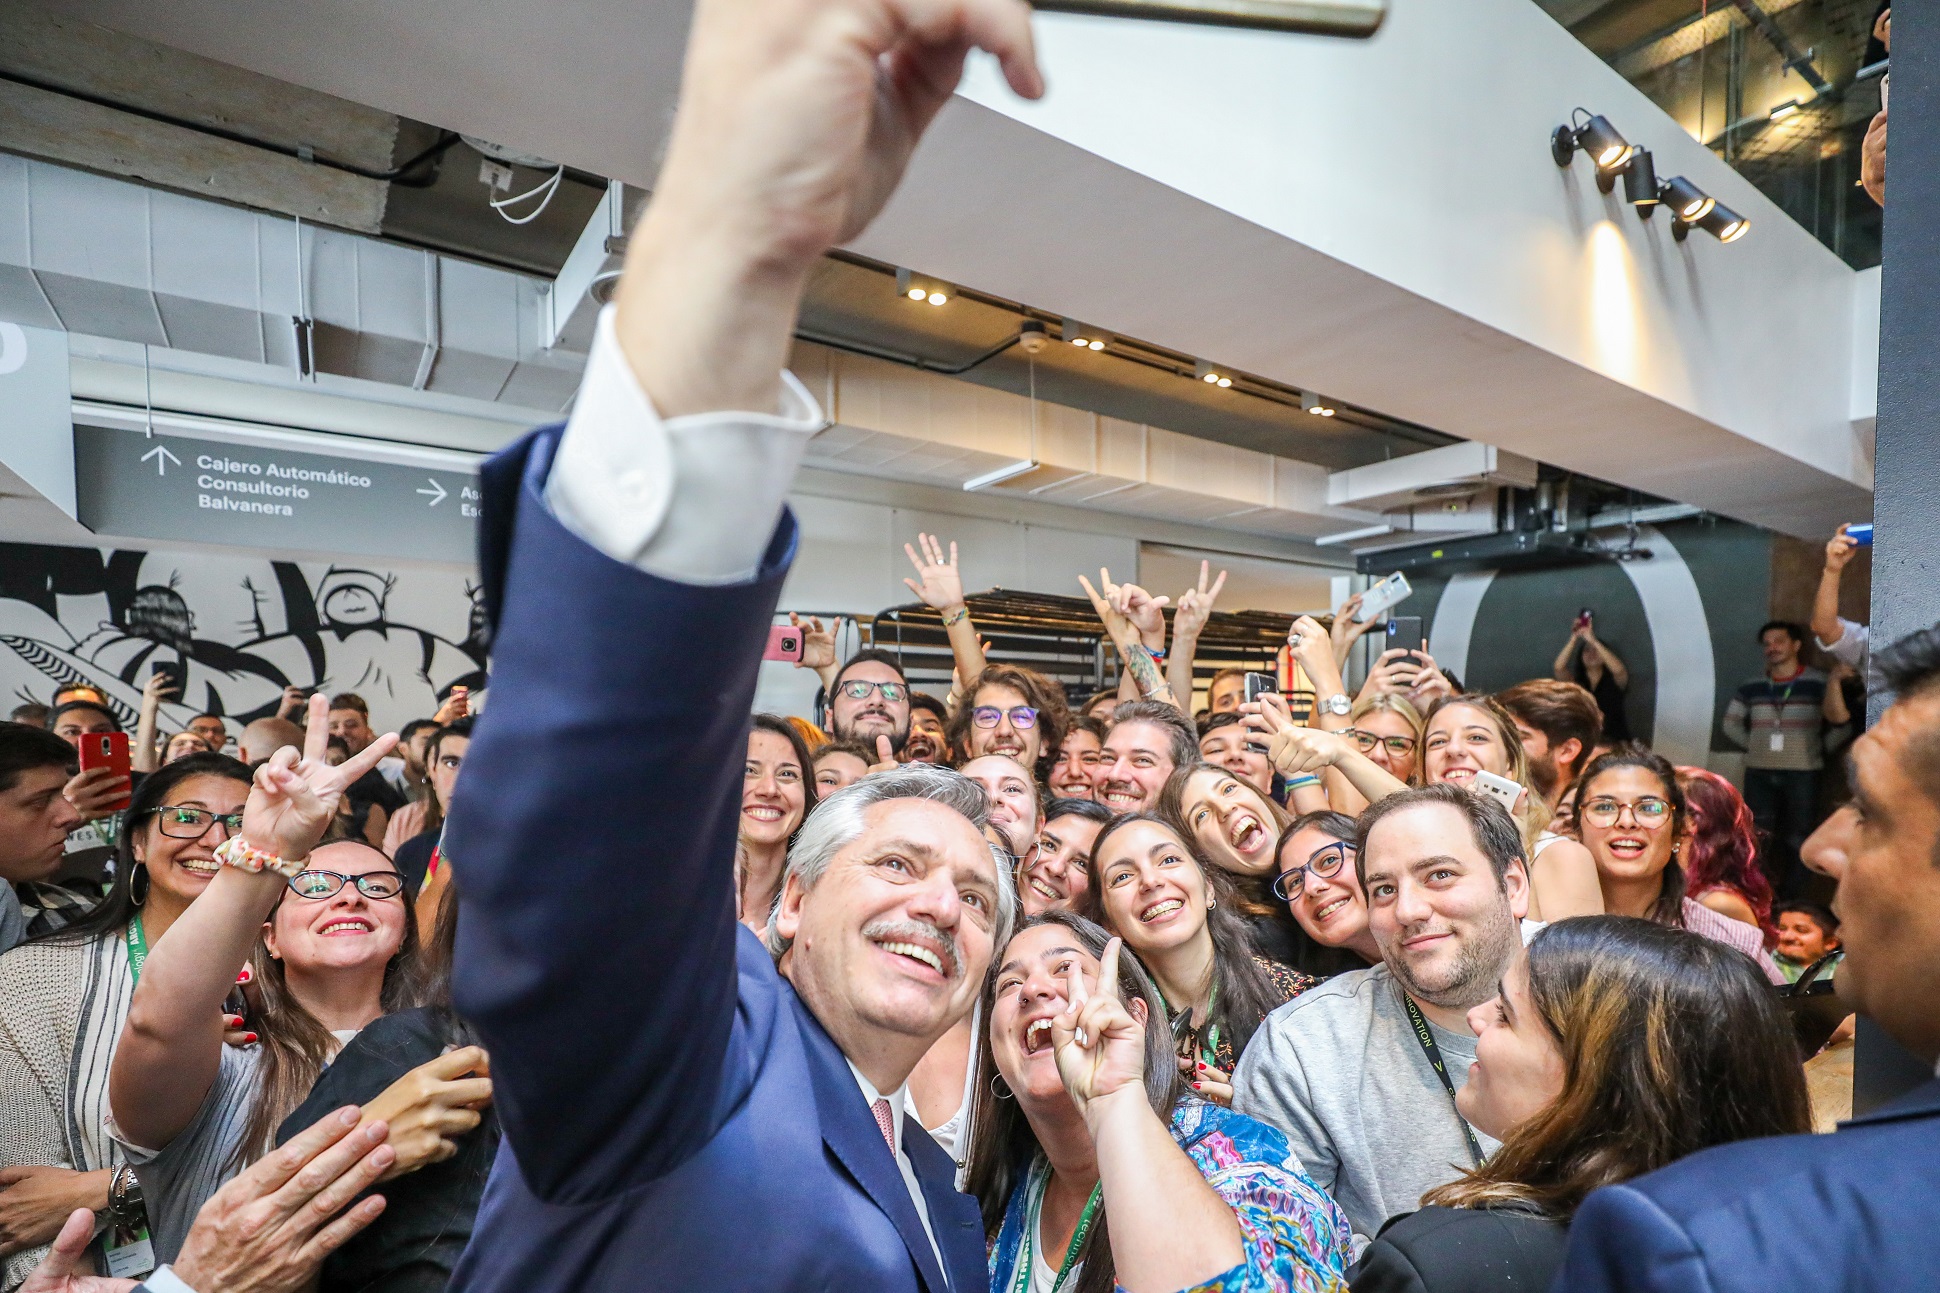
1023, 717
1324, 862
193, 823
1649, 812
376, 885
857, 689
1398, 746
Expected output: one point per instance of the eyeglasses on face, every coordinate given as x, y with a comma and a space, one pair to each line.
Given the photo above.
1397, 745
1649, 812
1324, 862
1023, 717
375, 885
856, 689
192, 823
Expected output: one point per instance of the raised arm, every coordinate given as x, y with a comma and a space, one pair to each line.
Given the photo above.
1188, 621
1562, 670
941, 590
1611, 660
1140, 667
1826, 627
171, 1046
143, 756
632, 563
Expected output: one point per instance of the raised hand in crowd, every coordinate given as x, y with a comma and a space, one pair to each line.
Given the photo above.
885, 757
1347, 628
941, 589
1308, 751
1194, 608
1140, 667
97, 792
143, 747
1312, 648
294, 703
457, 705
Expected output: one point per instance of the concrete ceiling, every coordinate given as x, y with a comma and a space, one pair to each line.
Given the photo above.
1030, 210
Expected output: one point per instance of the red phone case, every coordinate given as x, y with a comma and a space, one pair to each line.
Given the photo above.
107, 750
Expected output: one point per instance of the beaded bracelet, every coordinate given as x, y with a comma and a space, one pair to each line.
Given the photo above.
955, 617
233, 852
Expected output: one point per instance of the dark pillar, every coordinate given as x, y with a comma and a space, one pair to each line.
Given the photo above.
1906, 490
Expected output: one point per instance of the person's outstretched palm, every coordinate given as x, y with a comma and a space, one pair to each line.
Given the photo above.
942, 585
293, 799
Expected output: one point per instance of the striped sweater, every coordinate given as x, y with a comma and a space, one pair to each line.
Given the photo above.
1781, 724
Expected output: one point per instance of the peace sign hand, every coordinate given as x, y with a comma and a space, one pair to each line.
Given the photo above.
1195, 605
1119, 628
293, 800
1100, 1047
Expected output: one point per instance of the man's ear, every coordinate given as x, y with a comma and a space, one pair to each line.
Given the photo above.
1566, 754
1515, 883
788, 913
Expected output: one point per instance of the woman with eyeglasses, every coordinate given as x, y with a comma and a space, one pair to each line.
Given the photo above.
64, 998
1236, 827
1178, 912
777, 795
1630, 815
330, 943
1387, 729
1318, 882
1015, 711
1094, 1165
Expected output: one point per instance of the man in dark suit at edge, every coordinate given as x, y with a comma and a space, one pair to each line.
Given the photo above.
1855, 1210
683, 1106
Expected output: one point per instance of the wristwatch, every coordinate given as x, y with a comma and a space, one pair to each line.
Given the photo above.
1337, 704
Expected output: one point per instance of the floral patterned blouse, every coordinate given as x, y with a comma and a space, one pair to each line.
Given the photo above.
1287, 985
1294, 1237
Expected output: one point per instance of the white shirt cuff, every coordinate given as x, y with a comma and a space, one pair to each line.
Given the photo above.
693, 499
164, 1280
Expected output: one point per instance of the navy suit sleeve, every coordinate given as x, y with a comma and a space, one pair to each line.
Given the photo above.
1622, 1242
592, 842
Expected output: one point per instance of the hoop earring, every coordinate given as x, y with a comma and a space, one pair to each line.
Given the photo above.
1005, 1094
138, 882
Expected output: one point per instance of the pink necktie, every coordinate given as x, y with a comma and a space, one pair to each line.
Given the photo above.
881, 1109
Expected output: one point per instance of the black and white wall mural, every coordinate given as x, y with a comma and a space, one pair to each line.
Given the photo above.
242, 628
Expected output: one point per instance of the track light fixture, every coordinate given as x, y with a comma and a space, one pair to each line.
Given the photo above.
1685, 200
1720, 221
1640, 182
1595, 136
1084, 335
1212, 375
1316, 406
921, 287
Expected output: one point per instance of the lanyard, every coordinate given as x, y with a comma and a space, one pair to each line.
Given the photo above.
1026, 1252
1434, 1054
137, 948
1210, 1051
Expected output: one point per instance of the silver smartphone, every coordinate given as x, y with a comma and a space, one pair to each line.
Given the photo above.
1384, 596
1357, 19
1500, 789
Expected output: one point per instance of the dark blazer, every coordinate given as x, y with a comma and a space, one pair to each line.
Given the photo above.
674, 1116
1853, 1211
1462, 1250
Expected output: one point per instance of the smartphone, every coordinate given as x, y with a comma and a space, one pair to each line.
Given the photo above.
1500, 789
1861, 534
177, 674
1257, 683
1404, 633
784, 643
1357, 19
1390, 592
106, 750
1586, 618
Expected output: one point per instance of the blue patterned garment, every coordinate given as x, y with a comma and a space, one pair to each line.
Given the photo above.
1296, 1239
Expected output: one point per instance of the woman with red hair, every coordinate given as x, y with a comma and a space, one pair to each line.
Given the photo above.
1721, 851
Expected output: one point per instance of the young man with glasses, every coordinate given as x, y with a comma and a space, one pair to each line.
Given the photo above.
870, 698
1361, 1072
1012, 711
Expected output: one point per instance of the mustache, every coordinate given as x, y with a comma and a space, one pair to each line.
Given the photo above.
904, 931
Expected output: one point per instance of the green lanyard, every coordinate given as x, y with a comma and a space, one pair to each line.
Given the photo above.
1027, 1250
137, 948
1210, 1051
1434, 1054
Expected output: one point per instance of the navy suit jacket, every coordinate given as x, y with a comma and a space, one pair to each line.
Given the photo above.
674, 1115
1856, 1210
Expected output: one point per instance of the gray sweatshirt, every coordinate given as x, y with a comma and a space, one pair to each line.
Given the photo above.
1339, 1070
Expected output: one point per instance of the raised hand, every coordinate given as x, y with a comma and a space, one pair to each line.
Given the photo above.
1312, 648
1146, 613
1393, 673
1295, 750
885, 757
1840, 551
942, 586
1431, 683
1100, 1047
1266, 715
1195, 605
1118, 626
1347, 627
293, 800
818, 642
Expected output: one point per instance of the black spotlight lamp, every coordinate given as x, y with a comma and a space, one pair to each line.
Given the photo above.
1685, 200
1640, 183
1721, 222
1595, 136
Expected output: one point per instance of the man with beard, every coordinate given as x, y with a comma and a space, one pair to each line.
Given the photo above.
1013, 799
1560, 725
1361, 1072
927, 719
870, 698
1148, 742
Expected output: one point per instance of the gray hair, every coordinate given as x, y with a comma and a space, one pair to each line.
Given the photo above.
839, 820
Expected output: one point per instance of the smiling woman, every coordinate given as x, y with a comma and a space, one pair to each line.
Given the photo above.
1236, 828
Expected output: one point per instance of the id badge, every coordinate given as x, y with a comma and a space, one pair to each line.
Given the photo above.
131, 1255
1778, 742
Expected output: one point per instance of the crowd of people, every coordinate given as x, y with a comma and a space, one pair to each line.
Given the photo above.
1406, 987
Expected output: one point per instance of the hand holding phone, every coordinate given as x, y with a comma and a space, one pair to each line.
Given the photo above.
1390, 592
1504, 791
785, 642
103, 785
1259, 683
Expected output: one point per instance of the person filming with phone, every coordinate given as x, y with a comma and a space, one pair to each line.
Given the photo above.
1587, 661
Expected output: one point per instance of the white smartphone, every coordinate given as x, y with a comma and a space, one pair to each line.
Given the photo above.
1500, 789
1387, 594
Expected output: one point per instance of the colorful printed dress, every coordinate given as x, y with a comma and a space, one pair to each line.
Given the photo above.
1295, 1238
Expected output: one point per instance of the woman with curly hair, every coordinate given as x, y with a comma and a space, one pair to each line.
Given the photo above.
1720, 852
